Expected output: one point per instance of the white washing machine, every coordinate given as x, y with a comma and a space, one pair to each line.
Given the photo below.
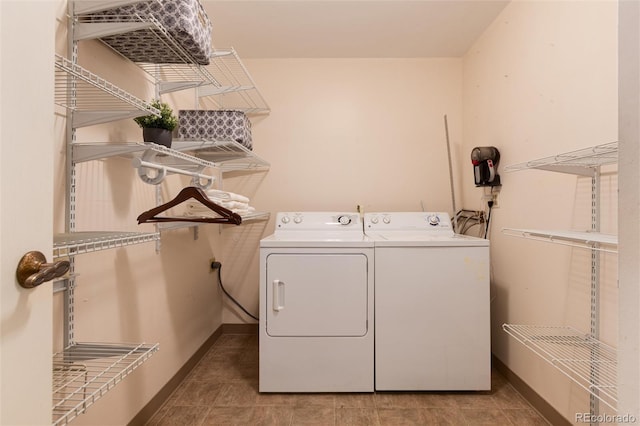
432, 320
316, 305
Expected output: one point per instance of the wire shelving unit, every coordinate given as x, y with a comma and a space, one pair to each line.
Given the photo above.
589, 362
84, 372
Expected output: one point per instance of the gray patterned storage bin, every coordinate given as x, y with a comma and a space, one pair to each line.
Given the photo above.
184, 20
215, 125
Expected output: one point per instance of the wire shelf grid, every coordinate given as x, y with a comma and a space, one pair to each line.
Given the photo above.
225, 80
595, 156
104, 24
235, 89
246, 218
84, 372
588, 362
585, 239
80, 90
74, 243
227, 155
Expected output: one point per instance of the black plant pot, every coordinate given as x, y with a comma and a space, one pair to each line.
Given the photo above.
157, 136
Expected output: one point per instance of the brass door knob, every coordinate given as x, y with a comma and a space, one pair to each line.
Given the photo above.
34, 270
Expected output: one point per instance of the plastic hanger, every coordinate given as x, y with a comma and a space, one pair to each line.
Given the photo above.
227, 216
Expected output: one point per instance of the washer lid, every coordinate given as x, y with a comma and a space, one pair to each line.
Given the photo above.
417, 239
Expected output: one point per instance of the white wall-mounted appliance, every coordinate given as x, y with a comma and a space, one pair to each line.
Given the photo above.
316, 305
432, 320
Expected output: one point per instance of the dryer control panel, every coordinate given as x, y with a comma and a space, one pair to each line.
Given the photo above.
437, 222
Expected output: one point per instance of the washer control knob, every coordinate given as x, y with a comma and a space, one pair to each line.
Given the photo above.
374, 219
386, 219
297, 219
344, 220
285, 219
433, 220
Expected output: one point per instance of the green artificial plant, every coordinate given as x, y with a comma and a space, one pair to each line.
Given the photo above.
166, 120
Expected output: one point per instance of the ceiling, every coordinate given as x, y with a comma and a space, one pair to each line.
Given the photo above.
350, 28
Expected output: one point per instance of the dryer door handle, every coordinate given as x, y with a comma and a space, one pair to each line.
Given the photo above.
278, 295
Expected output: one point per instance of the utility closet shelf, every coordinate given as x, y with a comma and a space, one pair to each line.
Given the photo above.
234, 88
225, 80
74, 243
588, 240
246, 218
93, 99
84, 372
580, 162
146, 155
228, 155
585, 360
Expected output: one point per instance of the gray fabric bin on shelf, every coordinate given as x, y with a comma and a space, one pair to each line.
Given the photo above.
215, 125
185, 22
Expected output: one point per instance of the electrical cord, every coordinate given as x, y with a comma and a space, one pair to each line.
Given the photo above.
486, 229
218, 266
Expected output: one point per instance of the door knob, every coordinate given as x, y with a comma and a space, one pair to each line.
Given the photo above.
34, 270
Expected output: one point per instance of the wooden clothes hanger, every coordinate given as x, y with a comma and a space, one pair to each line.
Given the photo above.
227, 216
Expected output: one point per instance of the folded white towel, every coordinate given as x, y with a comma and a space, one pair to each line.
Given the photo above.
226, 196
208, 213
198, 209
231, 205
244, 211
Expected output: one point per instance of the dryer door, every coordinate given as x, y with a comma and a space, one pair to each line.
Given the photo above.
316, 294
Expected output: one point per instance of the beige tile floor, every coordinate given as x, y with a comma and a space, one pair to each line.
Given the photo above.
223, 390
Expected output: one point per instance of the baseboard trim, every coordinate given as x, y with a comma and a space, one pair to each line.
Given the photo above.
240, 329
537, 402
156, 402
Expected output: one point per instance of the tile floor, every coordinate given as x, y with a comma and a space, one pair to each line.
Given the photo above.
223, 390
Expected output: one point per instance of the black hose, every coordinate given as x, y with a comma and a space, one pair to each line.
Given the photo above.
218, 265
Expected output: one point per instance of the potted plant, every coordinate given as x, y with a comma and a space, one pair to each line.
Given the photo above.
158, 129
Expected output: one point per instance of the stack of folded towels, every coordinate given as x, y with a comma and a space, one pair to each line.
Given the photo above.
235, 202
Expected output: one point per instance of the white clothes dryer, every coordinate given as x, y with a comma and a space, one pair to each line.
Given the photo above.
432, 320
316, 305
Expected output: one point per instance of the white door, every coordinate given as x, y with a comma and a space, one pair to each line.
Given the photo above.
27, 35
316, 294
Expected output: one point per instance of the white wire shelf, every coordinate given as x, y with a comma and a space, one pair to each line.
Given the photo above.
233, 88
93, 99
146, 156
588, 362
228, 155
246, 218
84, 372
588, 240
104, 24
225, 80
73, 243
581, 162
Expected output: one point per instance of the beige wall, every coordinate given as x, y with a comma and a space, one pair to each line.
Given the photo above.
542, 80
